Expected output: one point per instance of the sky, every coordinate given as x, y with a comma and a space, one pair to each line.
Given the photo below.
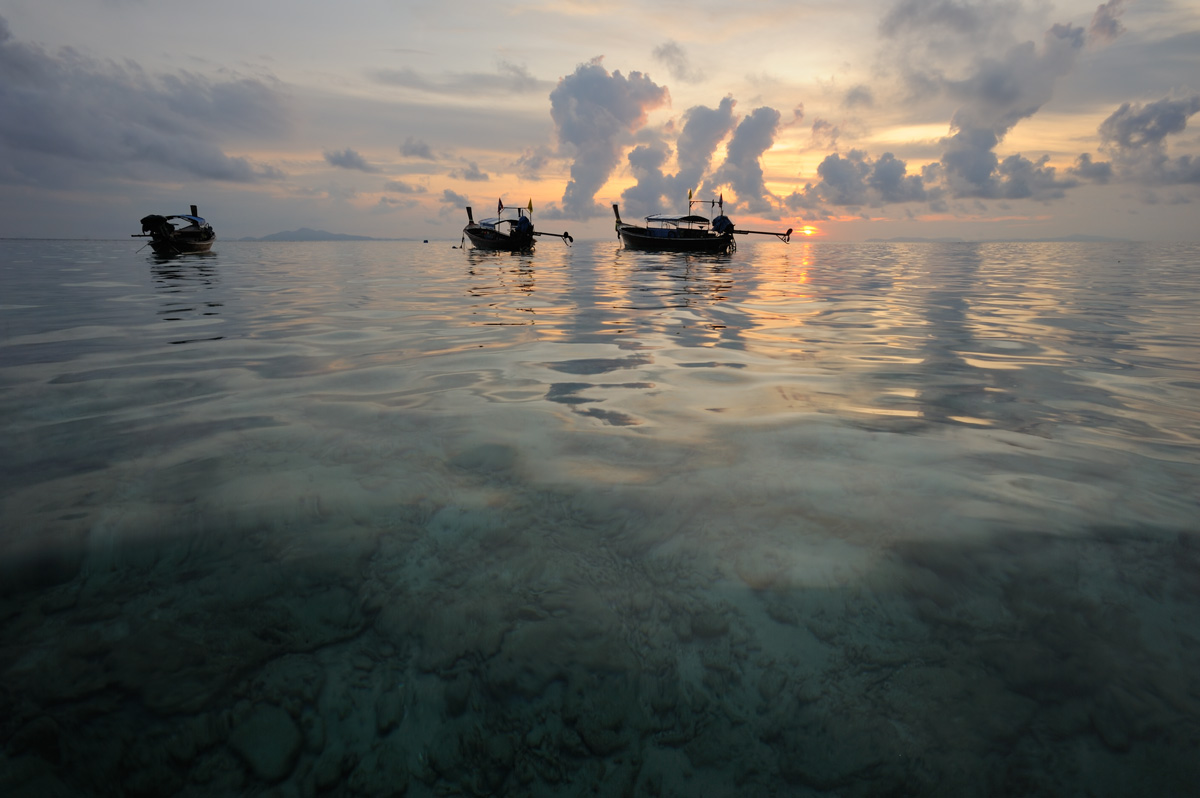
846, 120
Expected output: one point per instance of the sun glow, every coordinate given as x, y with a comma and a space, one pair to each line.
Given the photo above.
808, 230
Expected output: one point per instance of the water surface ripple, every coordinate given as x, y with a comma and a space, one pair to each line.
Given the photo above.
389, 517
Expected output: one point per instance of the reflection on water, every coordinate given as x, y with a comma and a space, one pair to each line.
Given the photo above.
817, 519
185, 283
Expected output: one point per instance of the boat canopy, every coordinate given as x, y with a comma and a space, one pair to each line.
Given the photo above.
196, 220
664, 219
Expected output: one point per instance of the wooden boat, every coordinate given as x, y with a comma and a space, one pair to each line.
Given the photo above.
511, 230
690, 233
193, 235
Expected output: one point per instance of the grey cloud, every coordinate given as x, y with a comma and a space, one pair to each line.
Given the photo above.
471, 172
742, 168
646, 161
824, 133
1138, 126
859, 97
508, 78
349, 159
595, 114
999, 94
64, 107
1106, 24
1095, 171
532, 161
960, 17
415, 148
400, 187
676, 60
454, 199
1135, 138
856, 180
703, 129
1022, 178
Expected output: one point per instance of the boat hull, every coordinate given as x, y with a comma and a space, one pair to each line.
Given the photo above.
696, 241
180, 246
484, 238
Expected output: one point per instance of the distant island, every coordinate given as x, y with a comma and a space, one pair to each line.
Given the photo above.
309, 234
1072, 239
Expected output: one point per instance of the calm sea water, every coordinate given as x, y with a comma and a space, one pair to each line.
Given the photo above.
387, 517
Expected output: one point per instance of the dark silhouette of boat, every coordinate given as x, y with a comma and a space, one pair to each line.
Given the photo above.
193, 234
690, 233
511, 230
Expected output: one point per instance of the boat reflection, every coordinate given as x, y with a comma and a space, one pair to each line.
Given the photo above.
184, 286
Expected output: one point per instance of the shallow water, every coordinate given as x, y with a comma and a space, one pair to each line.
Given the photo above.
360, 518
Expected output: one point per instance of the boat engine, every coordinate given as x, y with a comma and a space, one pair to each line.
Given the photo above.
157, 225
722, 224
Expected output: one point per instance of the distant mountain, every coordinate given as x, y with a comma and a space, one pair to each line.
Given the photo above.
1072, 239
308, 234
915, 240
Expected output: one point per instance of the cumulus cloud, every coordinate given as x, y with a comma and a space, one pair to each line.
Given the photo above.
532, 161
1095, 171
415, 148
703, 129
63, 116
1135, 138
452, 199
676, 60
1106, 23
595, 115
742, 168
999, 94
349, 159
470, 172
962, 50
856, 180
400, 187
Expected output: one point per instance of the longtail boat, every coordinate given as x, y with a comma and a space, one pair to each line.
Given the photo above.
689, 233
511, 230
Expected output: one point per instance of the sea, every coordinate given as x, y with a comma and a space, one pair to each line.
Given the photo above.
400, 518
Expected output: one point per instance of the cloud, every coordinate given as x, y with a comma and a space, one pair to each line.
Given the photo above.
1095, 171
509, 78
64, 117
859, 97
676, 60
646, 161
452, 199
471, 172
400, 187
415, 148
1000, 93
855, 181
349, 159
532, 161
742, 168
703, 129
595, 115
825, 133
1135, 135
1106, 24
960, 17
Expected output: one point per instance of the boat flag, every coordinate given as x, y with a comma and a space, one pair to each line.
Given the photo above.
721, 200
499, 206
531, 204
689, 195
